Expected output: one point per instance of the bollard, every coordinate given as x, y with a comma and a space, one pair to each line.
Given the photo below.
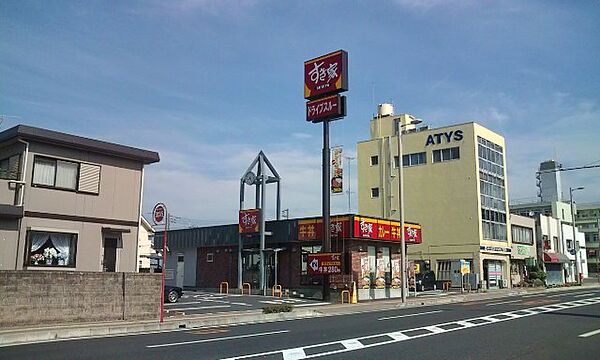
226, 287
244, 285
347, 293
277, 290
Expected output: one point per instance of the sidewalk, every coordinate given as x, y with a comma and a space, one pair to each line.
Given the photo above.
15, 336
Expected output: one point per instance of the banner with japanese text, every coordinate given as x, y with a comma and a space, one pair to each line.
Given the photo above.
337, 171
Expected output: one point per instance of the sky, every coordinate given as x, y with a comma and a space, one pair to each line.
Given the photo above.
210, 83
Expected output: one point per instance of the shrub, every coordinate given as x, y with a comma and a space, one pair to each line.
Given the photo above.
279, 308
538, 282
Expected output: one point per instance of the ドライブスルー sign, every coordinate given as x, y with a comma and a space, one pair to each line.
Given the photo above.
328, 108
324, 263
326, 75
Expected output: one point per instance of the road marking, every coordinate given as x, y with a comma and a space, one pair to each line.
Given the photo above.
591, 333
201, 307
504, 302
183, 303
240, 304
409, 315
219, 339
312, 304
293, 354
582, 295
408, 334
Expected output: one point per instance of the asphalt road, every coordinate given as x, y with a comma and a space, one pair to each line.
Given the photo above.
546, 326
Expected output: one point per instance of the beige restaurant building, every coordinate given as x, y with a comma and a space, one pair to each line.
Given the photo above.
454, 186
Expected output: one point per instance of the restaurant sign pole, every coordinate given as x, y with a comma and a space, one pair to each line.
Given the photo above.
324, 78
160, 215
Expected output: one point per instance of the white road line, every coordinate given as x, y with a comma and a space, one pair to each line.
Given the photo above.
218, 339
294, 354
557, 295
591, 333
410, 315
504, 302
582, 295
405, 335
312, 304
240, 304
201, 307
183, 303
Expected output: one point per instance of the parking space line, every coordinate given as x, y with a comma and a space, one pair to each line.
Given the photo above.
218, 339
201, 307
410, 315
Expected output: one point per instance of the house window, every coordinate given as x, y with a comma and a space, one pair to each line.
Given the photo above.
53, 249
446, 154
66, 175
374, 160
55, 173
9, 167
375, 192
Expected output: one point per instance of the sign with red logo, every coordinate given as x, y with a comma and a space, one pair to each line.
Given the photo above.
249, 221
312, 229
386, 230
158, 213
324, 263
326, 75
327, 108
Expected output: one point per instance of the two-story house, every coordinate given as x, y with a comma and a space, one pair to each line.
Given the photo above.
69, 202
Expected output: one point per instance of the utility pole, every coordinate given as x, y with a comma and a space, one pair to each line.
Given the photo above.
577, 265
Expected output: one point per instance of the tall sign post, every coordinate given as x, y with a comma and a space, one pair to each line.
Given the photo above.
159, 216
324, 78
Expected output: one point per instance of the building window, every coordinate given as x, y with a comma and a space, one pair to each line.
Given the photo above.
446, 154
66, 175
443, 270
374, 160
375, 192
546, 242
210, 257
411, 159
51, 249
9, 167
522, 235
55, 173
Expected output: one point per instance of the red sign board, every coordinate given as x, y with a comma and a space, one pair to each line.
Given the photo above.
324, 263
312, 229
386, 230
326, 75
327, 108
158, 213
249, 221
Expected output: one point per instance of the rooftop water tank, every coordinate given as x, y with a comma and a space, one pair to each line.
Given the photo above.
385, 109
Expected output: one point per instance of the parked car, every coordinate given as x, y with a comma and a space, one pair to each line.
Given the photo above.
172, 293
425, 281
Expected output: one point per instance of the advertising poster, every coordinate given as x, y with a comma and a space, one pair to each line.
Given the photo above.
396, 276
337, 172
380, 275
365, 279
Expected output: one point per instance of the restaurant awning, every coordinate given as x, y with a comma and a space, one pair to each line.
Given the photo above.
551, 257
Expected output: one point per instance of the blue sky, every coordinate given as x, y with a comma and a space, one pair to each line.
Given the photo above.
209, 83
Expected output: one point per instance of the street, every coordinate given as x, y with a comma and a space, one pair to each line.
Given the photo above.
551, 325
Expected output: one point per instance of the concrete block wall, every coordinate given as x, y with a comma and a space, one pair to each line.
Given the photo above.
44, 298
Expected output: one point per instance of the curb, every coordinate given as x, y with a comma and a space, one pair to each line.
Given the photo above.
21, 336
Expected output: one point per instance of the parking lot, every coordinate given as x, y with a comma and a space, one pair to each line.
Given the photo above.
198, 302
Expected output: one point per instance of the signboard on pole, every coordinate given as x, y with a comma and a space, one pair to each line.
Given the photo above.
158, 213
249, 221
327, 108
312, 229
326, 75
337, 171
386, 230
324, 263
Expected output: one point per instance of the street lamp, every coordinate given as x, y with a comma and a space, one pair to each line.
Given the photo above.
401, 204
574, 239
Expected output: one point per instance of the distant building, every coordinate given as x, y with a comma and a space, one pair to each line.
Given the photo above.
523, 250
549, 182
69, 202
588, 221
145, 249
454, 185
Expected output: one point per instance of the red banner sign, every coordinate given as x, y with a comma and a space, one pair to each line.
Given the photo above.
324, 264
249, 221
378, 229
326, 75
312, 229
327, 108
